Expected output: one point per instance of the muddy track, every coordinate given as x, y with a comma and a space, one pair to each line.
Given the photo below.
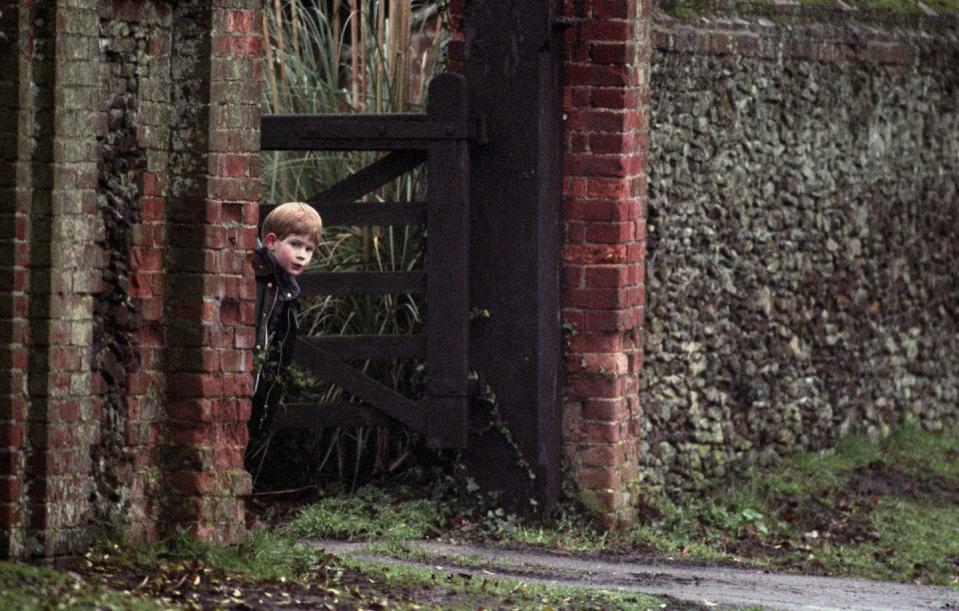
695, 586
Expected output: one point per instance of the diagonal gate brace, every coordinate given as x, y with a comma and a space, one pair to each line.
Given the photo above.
334, 370
371, 177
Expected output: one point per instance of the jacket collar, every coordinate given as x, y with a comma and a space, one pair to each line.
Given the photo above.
265, 265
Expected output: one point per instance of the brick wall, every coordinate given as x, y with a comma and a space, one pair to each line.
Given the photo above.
13, 299
128, 181
211, 216
605, 100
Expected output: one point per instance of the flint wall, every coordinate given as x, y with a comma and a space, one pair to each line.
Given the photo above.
802, 238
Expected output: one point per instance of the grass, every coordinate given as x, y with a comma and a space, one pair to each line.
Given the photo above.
394, 513
461, 590
371, 514
24, 586
274, 568
878, 511
882, 511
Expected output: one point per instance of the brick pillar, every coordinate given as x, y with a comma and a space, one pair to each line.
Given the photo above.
58, 162
606, 94
211, 224
14, 251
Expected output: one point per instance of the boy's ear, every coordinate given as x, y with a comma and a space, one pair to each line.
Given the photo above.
269, 240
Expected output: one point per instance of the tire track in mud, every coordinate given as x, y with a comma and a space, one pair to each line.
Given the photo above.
696, 586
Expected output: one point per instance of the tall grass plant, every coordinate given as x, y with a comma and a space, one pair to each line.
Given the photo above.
349, 56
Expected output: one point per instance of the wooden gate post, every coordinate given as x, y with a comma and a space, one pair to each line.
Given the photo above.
512, 66
447, 254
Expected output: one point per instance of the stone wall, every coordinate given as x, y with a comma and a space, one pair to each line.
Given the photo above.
802, 240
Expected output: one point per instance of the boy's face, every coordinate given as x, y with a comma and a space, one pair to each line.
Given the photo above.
292, 253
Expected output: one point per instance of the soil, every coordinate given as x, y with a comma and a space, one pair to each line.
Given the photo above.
195, 587
688, 586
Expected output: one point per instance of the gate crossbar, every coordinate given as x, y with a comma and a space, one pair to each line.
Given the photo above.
440, 138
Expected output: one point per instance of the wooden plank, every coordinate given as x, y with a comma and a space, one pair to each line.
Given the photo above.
368, 132
334, 370
380, 283
350, 347
447, 264
365, 213
371, 177
328, 415
516, 240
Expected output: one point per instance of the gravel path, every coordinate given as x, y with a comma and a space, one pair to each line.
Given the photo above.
701, 586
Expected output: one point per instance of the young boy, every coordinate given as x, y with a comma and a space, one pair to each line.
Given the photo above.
290, 235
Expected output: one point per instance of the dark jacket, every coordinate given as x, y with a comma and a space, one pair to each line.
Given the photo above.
276, 329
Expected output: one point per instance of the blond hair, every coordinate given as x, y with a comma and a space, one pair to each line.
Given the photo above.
291, 218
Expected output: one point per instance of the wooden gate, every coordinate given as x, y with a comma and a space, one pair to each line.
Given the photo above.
440, 139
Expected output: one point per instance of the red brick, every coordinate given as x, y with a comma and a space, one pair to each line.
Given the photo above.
65, 359
247, 312
598, 478
610, 30
240, 21
191, 483
9, 515
150, 185
610, 410
600, 253
233, 213
608, 276
594, 165
573, 276
636, 253
596, 342
195, 385
235, 262
602, 456
11, 435
598, 120
611, 53
68, 411
601, 76
608, 144
601, 97
612, 320
611, 233
575, 231
578, 96
613, 9
603, 432
10, 490
598, 298
238, 385
244, 338
233, 361
585, 385
191, 410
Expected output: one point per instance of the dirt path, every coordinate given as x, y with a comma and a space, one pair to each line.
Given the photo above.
701, 586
